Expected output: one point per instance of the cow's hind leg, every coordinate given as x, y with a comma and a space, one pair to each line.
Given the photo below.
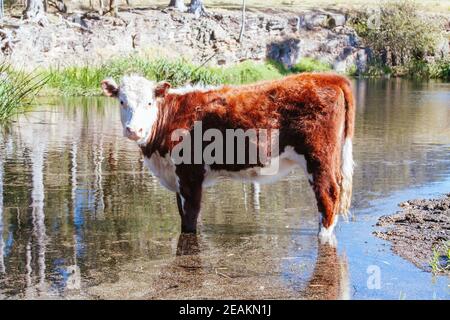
326, 188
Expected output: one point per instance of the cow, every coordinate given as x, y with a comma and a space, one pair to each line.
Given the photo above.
312, 115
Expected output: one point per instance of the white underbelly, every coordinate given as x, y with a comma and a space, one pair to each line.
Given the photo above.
163, 169
278, 168
255, 174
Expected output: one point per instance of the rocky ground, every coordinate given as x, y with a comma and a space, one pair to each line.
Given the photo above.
91, 38
419, 230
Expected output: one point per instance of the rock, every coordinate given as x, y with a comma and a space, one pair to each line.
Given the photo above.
218, 34
362, 61
336, 20
331, 45
341, 66
91, 37
308, 46
284, 51
276, 25
314, 20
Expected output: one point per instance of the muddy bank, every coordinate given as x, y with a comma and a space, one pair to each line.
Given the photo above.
419, 230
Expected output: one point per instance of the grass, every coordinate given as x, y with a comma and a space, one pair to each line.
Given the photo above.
440, 262
17, 90
415, 69
310, 64
84, 81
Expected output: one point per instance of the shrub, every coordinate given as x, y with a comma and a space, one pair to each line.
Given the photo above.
441, 70
398, 32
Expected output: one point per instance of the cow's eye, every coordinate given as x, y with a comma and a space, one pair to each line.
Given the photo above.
121, 102
150, 104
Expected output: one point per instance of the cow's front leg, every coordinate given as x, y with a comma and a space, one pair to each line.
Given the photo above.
190, 199
189, 196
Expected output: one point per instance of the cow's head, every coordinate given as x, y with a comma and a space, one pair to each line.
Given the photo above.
138, 104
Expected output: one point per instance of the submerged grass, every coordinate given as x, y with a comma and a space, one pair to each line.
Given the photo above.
17, 90
85, 80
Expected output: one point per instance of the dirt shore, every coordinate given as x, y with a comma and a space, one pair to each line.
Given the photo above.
420, 233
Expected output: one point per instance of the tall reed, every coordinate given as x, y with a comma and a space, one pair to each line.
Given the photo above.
17, 90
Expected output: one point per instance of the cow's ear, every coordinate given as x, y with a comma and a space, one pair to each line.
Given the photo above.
161, 89
110, 87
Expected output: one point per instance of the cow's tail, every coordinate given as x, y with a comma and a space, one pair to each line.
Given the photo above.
347, 163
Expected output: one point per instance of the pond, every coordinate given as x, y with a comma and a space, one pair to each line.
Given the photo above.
81, 217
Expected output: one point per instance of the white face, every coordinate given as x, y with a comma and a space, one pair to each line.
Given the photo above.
138, 108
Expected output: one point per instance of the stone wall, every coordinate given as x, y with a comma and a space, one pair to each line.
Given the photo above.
283, 36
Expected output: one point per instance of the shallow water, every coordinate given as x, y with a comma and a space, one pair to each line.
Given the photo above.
80, 216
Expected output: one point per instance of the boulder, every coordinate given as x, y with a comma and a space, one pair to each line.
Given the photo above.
312, 21
336, 20
276, 24
285, 51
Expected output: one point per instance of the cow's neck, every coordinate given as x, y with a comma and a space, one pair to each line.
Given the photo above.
156, 141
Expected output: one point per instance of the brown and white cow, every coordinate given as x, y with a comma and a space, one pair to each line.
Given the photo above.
313, 115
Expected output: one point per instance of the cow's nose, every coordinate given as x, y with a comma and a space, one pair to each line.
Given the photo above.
131, 134
130, 131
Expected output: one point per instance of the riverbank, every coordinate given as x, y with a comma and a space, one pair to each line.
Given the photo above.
287, 36
420, 233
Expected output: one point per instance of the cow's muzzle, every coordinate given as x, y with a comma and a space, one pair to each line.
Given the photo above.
132, 134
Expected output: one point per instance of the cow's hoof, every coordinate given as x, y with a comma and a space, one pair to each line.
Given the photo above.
327, 237
188, 230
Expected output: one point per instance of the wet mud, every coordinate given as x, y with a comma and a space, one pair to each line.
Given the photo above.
420, 232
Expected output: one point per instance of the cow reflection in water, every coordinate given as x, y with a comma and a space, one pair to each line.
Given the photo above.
194, 273
330, 278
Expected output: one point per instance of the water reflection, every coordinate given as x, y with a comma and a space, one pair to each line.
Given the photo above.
198, 272
330, 278
37, 239
2, 243
81, 217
